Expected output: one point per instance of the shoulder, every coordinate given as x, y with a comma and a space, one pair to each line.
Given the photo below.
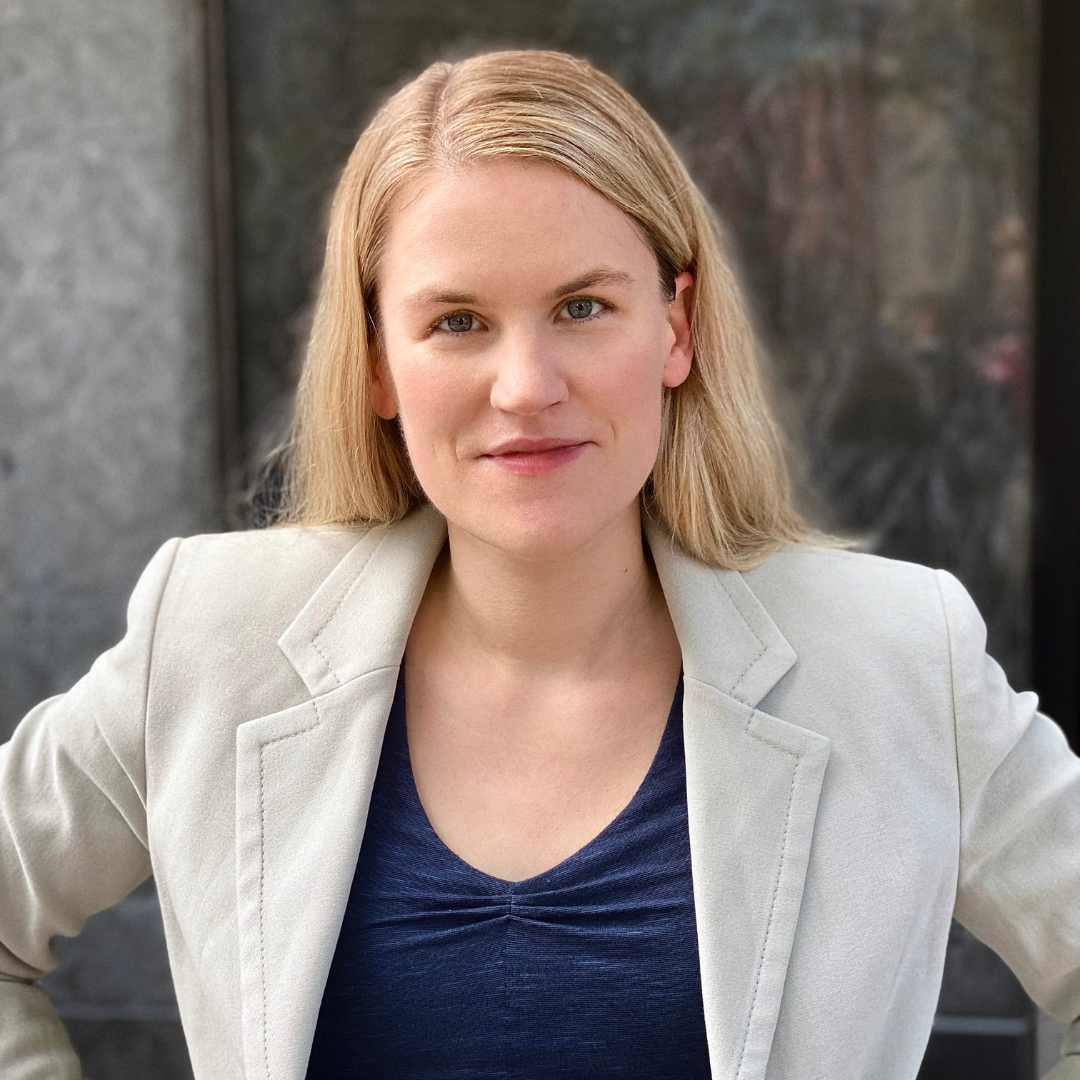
251, 583
299, 552
829, 601
808, 574
225, 600
880, 646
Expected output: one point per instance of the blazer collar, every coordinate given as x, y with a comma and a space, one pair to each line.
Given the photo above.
359, 618
728, 640
304, 778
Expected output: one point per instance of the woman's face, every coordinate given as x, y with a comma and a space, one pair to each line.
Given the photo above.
526, 342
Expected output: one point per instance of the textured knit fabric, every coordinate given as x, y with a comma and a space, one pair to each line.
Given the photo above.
587, 970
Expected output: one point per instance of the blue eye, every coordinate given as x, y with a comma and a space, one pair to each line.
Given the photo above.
458, 323
581, 308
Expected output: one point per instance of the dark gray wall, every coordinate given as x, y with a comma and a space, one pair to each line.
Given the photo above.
106, 379
107, 399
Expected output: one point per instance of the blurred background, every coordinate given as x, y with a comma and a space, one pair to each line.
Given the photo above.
900, 180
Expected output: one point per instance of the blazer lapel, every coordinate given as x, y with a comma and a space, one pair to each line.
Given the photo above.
304, 778
303, 782
752, 786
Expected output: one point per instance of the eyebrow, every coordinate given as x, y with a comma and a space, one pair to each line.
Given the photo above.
428, 297
601, 275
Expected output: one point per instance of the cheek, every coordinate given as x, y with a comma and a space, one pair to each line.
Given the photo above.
632, 390
434, 403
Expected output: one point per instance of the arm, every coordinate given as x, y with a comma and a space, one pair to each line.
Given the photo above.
72, 828
1019, 880
1068, 1068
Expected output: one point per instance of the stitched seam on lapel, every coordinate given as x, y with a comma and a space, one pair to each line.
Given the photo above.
262, 868
763, 647
341, 600
735, 605
775, 895
746, 671
325, 658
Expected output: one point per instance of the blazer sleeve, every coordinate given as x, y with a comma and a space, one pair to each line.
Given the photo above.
1019, 879
72, 828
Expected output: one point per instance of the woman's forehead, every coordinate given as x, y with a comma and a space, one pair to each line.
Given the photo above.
507, 217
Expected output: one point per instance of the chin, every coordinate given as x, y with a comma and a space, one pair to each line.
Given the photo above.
541, 531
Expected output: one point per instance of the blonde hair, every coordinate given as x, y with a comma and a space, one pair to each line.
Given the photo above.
720, 482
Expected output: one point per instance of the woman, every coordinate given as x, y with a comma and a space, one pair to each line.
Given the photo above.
660, 789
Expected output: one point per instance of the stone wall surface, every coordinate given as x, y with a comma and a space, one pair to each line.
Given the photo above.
106, 384
107, 443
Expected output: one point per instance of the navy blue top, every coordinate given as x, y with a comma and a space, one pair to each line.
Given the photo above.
588, 970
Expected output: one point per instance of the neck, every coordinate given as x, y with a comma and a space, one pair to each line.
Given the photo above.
582, 611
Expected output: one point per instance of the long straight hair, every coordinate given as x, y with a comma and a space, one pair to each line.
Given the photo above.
720, 482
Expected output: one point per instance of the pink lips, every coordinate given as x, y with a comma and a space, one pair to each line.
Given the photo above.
535, 455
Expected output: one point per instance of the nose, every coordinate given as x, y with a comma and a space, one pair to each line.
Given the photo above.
528, 377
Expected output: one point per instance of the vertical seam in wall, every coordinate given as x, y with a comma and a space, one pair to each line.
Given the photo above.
222, 257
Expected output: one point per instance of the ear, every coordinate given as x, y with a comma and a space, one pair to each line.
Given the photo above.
680, 316
383, 394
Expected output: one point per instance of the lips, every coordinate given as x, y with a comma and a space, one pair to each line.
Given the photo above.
525, 455
526, 445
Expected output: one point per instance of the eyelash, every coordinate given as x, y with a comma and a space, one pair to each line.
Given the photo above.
605, 307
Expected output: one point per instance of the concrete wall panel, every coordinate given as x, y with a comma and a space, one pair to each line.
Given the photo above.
107, 401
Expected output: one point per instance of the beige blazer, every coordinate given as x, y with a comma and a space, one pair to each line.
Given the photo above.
857, 772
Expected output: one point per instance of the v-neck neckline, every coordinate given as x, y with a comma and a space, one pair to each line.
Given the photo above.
528, 884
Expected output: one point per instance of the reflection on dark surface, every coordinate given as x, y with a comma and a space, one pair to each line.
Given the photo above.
871, 162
